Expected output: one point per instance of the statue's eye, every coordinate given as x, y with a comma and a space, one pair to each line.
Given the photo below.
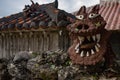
92, 15
81, 17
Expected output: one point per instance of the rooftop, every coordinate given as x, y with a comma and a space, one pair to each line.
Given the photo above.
36, 16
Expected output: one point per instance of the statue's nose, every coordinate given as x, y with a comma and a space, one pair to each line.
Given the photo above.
83, 27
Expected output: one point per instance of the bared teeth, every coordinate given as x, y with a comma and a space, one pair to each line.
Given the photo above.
92, 52
98, 37
93, 38
77, 51
77, 46
82, 53
88, 37
96, 48
81, 38
98, 44
80, 42
88, 54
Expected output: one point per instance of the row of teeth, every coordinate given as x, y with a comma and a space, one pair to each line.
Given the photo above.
97, 46
94, 37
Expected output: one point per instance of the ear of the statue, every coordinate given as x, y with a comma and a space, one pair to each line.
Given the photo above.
95, 9
82, 10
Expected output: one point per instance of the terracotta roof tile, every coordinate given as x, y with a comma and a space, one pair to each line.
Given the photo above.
35, 16
111, 13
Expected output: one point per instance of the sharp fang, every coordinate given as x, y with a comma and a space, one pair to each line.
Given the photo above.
80, 42
77, 46
93, 38
98, 44
77, 51
88, 54
96, 48
82, 54
81, 38
88, 37
92, 52
98, 37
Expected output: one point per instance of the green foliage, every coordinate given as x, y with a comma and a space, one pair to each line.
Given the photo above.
68, 63
95, 77
35, 54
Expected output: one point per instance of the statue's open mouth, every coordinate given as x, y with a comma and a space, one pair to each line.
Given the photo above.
89, 38
88, 45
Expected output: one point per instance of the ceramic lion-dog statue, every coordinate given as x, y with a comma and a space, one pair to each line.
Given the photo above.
89, 37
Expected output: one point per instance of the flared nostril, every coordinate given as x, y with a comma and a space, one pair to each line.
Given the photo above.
86, 26
80, 27
83, 27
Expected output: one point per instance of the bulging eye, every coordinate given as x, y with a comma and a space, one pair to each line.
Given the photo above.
93, 15
81, 17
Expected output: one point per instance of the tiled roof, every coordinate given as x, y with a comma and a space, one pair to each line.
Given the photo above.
36, 16
48, 15
110, 11
110, 0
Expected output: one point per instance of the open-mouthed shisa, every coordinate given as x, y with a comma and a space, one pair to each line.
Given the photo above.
90, 39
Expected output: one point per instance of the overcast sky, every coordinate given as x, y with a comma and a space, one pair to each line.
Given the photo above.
8, 7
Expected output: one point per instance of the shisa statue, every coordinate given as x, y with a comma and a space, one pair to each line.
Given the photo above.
90, 47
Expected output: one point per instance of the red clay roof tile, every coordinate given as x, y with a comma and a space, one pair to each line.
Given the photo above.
111, 13
33, 15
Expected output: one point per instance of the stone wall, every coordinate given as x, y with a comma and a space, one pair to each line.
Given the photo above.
13, 42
